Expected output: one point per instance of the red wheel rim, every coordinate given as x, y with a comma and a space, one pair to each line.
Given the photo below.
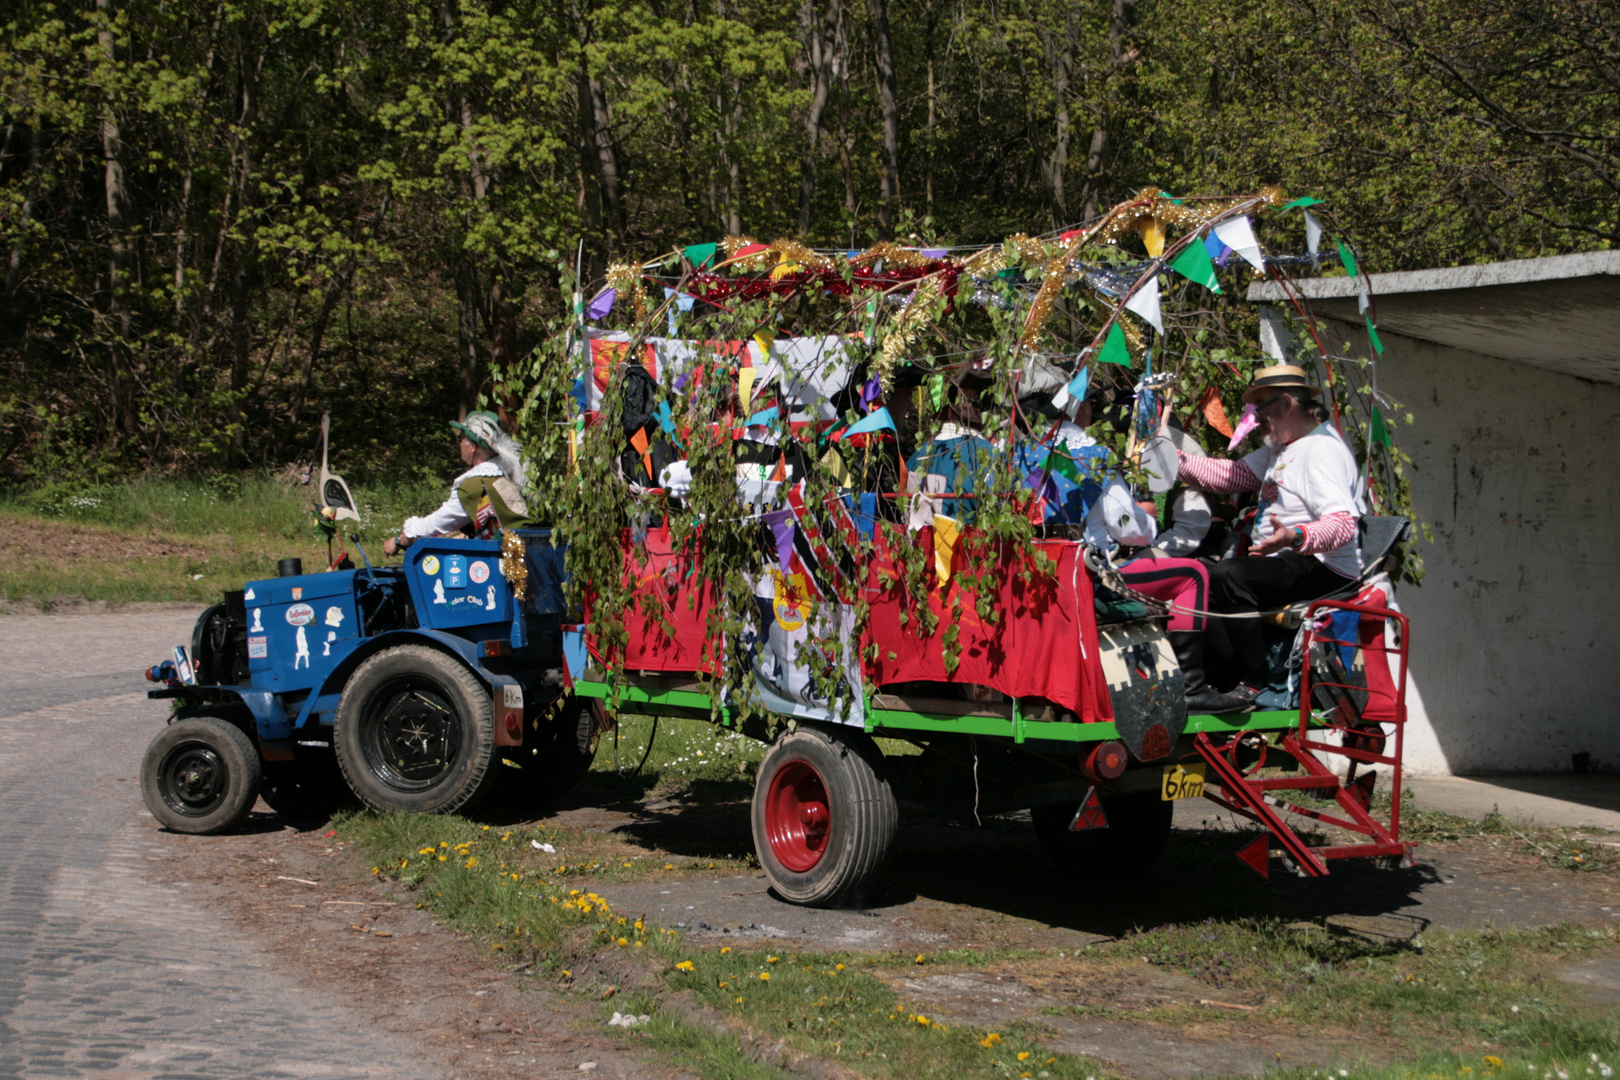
797, 819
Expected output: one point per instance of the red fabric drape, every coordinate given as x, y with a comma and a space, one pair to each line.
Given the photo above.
668, 590
1045, 644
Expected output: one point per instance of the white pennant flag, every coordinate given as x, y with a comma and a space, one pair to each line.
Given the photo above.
1364, 295
1313, 233
1145, 302
1237, 235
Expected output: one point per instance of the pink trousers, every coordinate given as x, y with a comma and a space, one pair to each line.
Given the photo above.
1184, 582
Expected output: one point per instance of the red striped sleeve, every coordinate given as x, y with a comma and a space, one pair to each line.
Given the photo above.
1217, 475
1329, 533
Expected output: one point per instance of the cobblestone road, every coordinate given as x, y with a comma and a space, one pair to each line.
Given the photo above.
104, 972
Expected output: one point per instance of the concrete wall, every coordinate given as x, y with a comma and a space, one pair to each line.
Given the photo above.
1516, 628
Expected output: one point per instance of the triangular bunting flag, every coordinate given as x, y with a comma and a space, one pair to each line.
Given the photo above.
877, 420
1195, 265
1238, 235
1214, 412
701, 255
1152, 230
1379, 433
1246, 423
1114, 349
602, 303
1145, 302
833, 462
1347, 257
1313, 233
946, 531
745, 387
1300, 203
1372, 336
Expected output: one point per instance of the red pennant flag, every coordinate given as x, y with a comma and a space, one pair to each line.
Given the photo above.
639, 441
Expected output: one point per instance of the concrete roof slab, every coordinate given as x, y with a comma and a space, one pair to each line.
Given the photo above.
1560, 313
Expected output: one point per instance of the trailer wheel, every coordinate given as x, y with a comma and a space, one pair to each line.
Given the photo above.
200, 776
1138, 828
552, 761
415, 732
823, 815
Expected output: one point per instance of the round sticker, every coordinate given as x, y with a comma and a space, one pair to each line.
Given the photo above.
300, 614
479, 572
430, 565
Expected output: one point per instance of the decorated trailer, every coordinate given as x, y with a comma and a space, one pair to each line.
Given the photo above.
740, 536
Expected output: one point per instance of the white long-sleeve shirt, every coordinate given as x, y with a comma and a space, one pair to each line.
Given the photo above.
1191, 518
451, 516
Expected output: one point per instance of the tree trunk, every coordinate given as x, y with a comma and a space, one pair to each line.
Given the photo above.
14, 268
1118, 26
467, 296
889, 102
118, 245
1059, 48
821, 60
845, 165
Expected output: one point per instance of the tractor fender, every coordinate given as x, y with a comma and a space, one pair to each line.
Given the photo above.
268, 718
506, 693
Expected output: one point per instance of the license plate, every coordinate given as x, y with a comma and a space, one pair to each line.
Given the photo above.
1182, 782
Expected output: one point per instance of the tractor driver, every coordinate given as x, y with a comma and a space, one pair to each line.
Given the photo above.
1305, 543
484, 499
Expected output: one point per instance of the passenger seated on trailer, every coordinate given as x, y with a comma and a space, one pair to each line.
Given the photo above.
1305, 542
488, 497
959, 453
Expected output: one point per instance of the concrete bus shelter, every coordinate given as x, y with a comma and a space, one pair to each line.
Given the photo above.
1511, 372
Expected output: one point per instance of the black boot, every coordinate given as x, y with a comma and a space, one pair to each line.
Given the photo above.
1201, 697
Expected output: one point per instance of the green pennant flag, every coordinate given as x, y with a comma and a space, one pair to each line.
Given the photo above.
1379, 434
1114, 349
1300, 203
700, 255
1372, 336
936, 391
1064, 465
1194, 264
1348, 257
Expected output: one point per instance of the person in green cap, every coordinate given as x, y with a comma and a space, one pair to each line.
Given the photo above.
485, 499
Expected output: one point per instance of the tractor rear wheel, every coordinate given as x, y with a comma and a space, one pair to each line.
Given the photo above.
824, 816
1138, 828
200, 776
415, 732
552, 760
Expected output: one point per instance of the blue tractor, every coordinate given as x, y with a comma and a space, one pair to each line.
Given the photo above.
425, 687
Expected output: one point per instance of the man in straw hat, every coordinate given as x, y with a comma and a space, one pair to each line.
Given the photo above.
487, 497
1305, 536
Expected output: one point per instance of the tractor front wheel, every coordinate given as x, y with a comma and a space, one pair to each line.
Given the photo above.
200, 776
824, 816
415, 732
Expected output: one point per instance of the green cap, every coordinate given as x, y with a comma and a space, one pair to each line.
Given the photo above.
476, 422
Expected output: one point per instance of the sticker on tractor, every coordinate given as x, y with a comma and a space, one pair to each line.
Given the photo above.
430, 565
455, 571
479, 572
298, 592
257, 627
334, 616
258, 648
512, 695
249, 595
300, 615
1182, 782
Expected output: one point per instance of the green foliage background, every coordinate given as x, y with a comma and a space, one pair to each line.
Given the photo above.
220, 217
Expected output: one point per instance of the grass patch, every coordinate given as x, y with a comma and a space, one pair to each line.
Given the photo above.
1582, 850
173, 540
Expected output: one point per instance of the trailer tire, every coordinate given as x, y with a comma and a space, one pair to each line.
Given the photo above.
551, 762
415, 732
1138, 828
200, 776
823, 815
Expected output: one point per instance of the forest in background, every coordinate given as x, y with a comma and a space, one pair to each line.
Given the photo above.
222, 217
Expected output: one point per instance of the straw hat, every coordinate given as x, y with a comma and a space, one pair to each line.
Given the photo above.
1280, 377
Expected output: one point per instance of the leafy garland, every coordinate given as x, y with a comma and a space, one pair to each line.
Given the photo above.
995, 310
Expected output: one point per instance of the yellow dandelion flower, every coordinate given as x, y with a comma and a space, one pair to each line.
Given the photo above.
724, 949
1023, 1055
1493, 1061
770, 959
739, 1001
443, 858
764, 976
924, 1021
990, 1040
427, 851
919, 958
567, 974
621, 941
669, 866
472, 860
840, 967
685, 965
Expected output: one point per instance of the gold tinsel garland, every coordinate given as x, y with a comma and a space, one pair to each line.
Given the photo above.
514, 567
625, 279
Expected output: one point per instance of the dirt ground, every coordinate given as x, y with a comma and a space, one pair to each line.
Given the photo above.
58, 543
953, 887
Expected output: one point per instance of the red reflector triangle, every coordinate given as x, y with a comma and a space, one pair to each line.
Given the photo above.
1091, 814
1258, 856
